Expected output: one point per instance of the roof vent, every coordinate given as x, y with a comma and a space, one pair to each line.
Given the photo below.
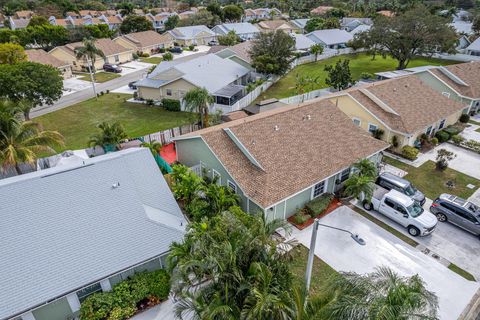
276, 128
116, 185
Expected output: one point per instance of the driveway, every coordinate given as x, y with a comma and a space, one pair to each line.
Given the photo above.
469, 132
383, 248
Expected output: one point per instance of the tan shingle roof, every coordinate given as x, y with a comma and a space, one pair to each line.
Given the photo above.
147, 38
321, 10
22, 14
114, 19
274, 24
108, 46
40, 56
468, 72
299, 154
415, 103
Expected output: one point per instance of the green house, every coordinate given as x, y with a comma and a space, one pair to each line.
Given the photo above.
279, 160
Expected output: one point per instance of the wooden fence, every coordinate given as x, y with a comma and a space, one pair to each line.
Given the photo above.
166, 136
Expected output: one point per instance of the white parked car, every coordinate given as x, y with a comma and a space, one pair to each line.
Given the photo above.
403, 210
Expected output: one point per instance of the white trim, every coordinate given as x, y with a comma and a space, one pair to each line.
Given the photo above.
372, 125
357, 119
234, 185
73, 302
216, 173
27, 316
105, 284
325, 185
285, 210
446, 94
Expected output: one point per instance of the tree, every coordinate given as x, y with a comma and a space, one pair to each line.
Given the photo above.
167, 56
202, 17
154, 147
23, 142
308, 307
476, 24
230, 39
443, 157
404, 36
337, 13
339, 76
31, 82
316, 49
382, 294
133, 23
359, 187
11, 53
38, 21
216, 9
313, 24
304, 83
171, 22
198, 100
89, 52
125, 8
271, 52
232, 13
109, 137
366, 168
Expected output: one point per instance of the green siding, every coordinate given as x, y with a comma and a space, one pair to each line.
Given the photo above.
57, 310
297, 202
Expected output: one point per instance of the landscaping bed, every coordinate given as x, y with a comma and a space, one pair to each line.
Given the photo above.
317, 208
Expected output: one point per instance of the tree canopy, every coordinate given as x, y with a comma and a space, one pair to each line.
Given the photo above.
232, 13
318, 23
134, 23
339, 76
230, 39
11, 53
271, 52
171, 22
407, 35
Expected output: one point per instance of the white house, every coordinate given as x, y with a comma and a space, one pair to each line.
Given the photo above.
197, 35
244, 30
331, 38
300, 23
302, 42
349, 24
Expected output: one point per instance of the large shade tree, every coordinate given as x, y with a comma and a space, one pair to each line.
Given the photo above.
404, 36
133, 23
271, 52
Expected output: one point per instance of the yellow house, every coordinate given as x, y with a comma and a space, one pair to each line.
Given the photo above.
145, 41
274, 25
404, 108
114, 54
196, 35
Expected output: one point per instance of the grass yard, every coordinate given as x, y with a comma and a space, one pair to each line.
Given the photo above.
78, 122
101, 77
153, 60
321, 271
359, 63
432, 182
474, 122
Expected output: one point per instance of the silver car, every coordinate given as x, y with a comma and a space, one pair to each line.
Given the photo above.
392, 182
458, 211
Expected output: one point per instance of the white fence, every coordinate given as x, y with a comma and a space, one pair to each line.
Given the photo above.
306, 96
457, 57
327, 53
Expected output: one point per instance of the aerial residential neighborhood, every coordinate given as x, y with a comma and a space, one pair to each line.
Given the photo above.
171, 159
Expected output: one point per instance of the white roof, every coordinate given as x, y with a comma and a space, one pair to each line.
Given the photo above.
190, 32
209, 71
302, 42
239, 28
475, 45
330, 36
66, 227
300, 22
361, 28
462, 27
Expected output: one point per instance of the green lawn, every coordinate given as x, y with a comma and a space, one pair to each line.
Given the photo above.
474, 122
153, 60
78, 122
321, 271
467, 275
432, 182
101, 77
359, 63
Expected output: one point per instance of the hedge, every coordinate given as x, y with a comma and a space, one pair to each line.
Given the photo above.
409, 152
442, 136
171, 104
452, 130
319, 204
121, 302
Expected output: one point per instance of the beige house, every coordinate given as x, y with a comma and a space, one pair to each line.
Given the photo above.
41, 56
196, 35
404, 107
114, 53
145, 41
274, 25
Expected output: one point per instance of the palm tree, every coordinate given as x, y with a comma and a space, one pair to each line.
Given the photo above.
359, 187
220, 198
381, 295
366, 168
198, 100
154, 146
111, 134
316, 49
89, 52
23, 142
308, 307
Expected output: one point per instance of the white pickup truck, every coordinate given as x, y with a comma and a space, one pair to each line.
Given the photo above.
403, 210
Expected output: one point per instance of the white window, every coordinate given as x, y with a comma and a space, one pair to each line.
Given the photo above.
169, 92
429, 130
344, 175
372, 128
446, 94
318, 189
216, 175
232, 186
442, 124
357, 122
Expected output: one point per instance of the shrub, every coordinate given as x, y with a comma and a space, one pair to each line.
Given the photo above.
191, 47
378, 134
457, 139
434, 141
167, 56
171, 104
161, 50
366, 75
409, 152
319, 204
97, 306
464, 118
443, 157
145, 55
453, 130
300, 217
442, 136
159, 284
135, 56
395, 141
122, 313
149, 102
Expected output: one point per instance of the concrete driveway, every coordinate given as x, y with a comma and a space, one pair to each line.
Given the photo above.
469, 132
382, 248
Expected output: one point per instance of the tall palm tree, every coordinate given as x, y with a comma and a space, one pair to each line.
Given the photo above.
316, 49
198, 100
366, 168
359, 187
308, 307
89, 52
381, 295
304, 84
154, 146
110, 135
23, 142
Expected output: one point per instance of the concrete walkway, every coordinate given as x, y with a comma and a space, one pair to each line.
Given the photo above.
163, 311
383, 248
470, 133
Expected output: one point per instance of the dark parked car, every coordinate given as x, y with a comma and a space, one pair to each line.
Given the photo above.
112, 68
390, 181
132, 85
176, 50
458, 211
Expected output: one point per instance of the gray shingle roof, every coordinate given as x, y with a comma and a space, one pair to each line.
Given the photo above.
239, 28
66, 227
330, 36
190, 32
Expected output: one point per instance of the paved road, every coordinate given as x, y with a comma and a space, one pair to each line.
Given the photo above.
85, 94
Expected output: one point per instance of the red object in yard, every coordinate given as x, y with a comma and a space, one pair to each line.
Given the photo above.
168, 153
